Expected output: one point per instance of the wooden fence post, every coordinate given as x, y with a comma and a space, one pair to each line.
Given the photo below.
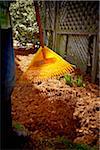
94, 59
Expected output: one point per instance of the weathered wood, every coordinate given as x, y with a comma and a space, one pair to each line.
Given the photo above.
94, 59
66, 44
54, 31
71, 19
56, 24
77, 33
76, 52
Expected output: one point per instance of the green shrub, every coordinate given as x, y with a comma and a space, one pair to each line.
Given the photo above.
23, 21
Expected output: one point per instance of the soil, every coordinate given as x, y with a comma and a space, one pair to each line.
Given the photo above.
52, 108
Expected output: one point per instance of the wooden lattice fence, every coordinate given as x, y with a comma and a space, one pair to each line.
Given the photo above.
71, 28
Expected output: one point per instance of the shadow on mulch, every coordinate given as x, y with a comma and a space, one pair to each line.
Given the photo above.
24, 52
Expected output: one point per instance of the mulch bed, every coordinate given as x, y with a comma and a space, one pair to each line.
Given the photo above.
51, 108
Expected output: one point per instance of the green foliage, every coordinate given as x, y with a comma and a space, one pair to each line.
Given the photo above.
82, 147
18, 126
23, 21
79, 81
62, 140
68, 79
72, 146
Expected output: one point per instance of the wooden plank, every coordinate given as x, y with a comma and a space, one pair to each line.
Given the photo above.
66, 44
73, 33
94, 59
54, 31
56, 24
77, 33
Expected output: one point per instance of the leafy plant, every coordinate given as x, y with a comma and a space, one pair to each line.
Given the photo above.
19, 126
65, 144
71, 81
24, 21
19, 129
82, 147
73, 146
68, 79
79, 81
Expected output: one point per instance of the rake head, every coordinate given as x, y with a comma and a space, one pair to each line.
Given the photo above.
52, 66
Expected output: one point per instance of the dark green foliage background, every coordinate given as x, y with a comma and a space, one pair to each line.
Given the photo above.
24, 21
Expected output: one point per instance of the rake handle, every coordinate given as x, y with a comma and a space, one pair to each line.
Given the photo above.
38, 19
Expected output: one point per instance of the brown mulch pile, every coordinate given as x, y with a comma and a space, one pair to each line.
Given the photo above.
52, 108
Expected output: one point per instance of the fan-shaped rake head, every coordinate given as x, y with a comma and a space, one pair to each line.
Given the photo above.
51, 67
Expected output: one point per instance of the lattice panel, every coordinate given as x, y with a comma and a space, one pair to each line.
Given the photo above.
78, 16
77, 51
50, 15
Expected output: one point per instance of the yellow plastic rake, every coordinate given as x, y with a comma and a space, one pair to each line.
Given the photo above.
46, 63
41, 69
